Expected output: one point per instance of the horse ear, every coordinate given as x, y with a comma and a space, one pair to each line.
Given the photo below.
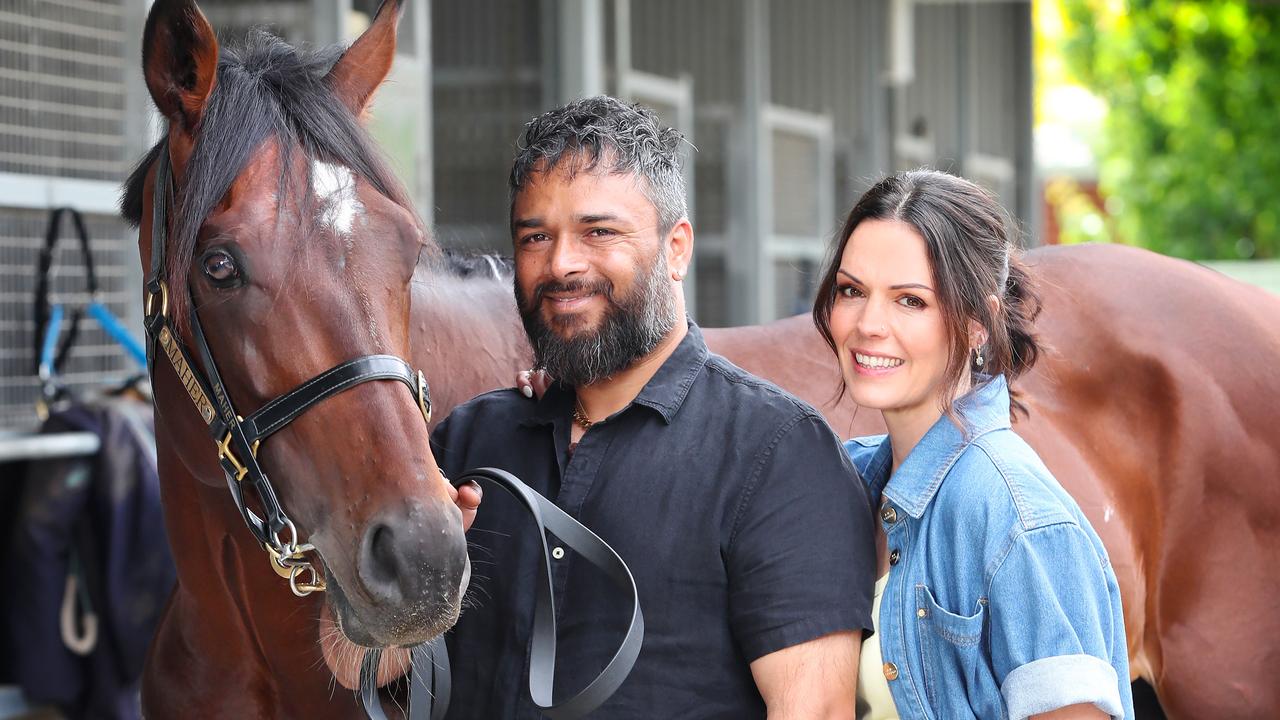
365, 64
179, 61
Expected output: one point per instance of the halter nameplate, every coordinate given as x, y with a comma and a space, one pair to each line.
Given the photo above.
186, 376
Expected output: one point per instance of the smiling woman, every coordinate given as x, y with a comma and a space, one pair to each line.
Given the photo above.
1016, 608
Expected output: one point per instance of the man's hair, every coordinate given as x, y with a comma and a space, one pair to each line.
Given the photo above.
605, 133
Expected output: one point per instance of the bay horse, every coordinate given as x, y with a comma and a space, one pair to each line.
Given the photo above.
279, 251
1156, 405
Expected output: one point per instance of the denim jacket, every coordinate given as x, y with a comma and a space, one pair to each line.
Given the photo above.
1001, 601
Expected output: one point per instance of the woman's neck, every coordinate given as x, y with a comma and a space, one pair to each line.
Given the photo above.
907, 426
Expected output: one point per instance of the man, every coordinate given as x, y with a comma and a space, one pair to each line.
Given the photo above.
732, 502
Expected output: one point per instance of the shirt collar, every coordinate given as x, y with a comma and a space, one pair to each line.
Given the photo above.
982, 410
664, 393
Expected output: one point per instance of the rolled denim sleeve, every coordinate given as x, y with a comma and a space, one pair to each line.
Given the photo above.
1052, 627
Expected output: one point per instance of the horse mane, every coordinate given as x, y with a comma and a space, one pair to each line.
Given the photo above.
468, 265
265, 89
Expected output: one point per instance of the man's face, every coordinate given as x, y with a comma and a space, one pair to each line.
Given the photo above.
592, 280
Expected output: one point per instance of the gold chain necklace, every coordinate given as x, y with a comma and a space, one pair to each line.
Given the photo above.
580, 417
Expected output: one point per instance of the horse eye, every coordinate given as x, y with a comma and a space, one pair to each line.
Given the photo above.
220, 267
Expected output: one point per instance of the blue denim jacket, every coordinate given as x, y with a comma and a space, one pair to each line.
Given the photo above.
1001, 601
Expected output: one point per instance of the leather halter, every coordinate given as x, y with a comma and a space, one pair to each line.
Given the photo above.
237, 438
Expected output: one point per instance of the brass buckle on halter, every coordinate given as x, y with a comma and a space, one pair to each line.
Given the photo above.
224, 451
291, 565
423, 404
164, 300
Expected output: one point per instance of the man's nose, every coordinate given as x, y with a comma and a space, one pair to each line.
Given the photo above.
567, 258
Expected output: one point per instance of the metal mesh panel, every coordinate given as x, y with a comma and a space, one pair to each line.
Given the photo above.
711, 172
96, 357
712, 290
932, 111
62, 93
288, 19
487, 83
63, 73
796, 192
795, 281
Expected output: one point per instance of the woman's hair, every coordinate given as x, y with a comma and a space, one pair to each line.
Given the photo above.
969, 241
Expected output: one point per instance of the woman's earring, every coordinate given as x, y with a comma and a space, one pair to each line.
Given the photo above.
977, 356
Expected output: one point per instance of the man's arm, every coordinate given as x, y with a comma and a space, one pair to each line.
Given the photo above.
801, 566
815, 680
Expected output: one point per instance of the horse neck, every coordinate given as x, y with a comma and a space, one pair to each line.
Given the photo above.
466, 336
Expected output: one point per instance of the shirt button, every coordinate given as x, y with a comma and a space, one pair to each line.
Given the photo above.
894, 556
922, 613
890, 671
889, 515
557, 552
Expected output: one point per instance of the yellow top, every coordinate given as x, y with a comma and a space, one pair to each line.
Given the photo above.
874, 699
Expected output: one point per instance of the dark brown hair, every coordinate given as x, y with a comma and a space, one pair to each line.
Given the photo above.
969, 242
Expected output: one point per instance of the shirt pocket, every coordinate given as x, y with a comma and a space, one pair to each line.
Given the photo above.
953, 653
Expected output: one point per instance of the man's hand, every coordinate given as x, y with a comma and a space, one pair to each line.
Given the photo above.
815, 680
467, 499
533, 383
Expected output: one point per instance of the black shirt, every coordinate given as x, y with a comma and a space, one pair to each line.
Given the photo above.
735, 506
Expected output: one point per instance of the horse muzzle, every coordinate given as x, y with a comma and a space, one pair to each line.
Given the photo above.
406, 577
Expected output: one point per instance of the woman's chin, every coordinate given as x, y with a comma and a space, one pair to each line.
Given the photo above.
345, 658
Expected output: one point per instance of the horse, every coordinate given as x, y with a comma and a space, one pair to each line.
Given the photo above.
1154, 405
279, 251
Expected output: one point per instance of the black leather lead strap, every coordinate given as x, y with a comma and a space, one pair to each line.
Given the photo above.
542, 667
429, 689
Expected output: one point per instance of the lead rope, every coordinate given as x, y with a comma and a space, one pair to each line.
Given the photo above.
430, 681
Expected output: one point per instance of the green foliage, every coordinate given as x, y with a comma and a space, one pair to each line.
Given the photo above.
1190, 161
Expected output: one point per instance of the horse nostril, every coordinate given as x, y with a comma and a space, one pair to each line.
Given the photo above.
380, 564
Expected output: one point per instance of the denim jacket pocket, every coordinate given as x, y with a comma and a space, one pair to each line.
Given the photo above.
953, 656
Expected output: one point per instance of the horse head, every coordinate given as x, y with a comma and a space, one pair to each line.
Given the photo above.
289, 247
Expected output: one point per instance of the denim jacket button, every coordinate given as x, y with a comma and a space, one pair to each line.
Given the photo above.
890, 671
889, 515
922, 613
894, 556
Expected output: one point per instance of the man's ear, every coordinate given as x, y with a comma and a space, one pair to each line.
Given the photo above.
679, 248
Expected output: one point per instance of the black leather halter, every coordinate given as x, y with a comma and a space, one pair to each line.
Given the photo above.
237, 441
237, 438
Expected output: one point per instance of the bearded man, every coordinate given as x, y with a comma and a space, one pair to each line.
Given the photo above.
738, 512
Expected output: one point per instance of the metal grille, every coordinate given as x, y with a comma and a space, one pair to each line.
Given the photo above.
96, 358
487, 82
62, 88
232, 19
63, 73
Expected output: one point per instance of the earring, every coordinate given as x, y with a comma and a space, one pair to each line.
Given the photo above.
977, 356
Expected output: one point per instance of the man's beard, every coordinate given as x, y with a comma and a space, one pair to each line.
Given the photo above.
631, 327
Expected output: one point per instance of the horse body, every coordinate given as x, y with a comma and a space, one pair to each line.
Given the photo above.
1153, 405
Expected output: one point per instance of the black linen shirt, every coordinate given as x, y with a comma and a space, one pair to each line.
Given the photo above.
734, 504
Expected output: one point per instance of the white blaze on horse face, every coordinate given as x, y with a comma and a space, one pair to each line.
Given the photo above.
335, 186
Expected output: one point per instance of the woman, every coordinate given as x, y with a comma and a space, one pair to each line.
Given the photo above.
996, 597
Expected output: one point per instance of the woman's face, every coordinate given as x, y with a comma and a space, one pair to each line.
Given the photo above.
888, 329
